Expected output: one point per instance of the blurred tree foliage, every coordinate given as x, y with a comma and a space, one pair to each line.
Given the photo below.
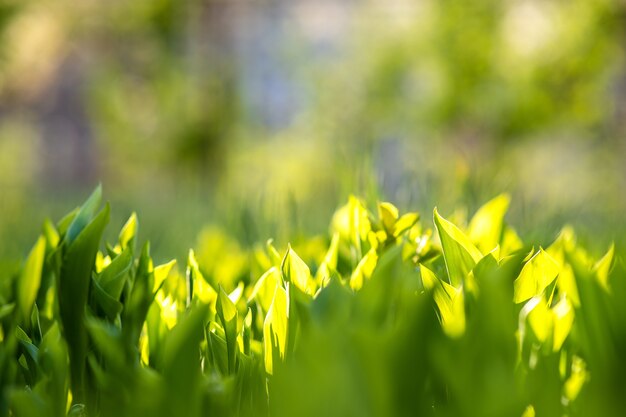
430, 100
7, 10
171, 97
500, 70
453, 101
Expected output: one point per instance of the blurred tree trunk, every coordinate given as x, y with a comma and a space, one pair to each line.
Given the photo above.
68, 154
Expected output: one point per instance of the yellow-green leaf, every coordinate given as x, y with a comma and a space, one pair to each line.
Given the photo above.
227, 312
201, 288
295, 270
388, 214
352, 223
567, 284
459, 252
603, 267
329, 264
236, 294
129, 231
541, 320
485, 228
161, 272
265, 288
30, 279
577, 379
363, 270
113, 277
429, 279
510, 241
275, 329
529, 411
449, 301
404, 223
226, 309
51, 233
535, 276
273, 254
563, 314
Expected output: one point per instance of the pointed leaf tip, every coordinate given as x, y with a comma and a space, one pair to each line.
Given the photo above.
459, 253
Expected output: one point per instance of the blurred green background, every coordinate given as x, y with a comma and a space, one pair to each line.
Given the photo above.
262, 116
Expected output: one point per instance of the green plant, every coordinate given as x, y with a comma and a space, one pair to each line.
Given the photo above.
383, 318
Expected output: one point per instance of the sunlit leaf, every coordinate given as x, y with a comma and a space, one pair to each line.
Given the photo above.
529, 411
218, 348
404, 223
541, 320
129, 231
275, 329
388, 214
563, 314
265, 288
274, 256
296, 271
352, 223
329, 263
227, 313
577, 379
363, 270
161, 273
536, 275
29, 281
51, 233
236, 294
567, 284
459, 252
139, 299
113, 278
246, 332
449, 301
510, 241
604, 266
485, 228
199, 287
